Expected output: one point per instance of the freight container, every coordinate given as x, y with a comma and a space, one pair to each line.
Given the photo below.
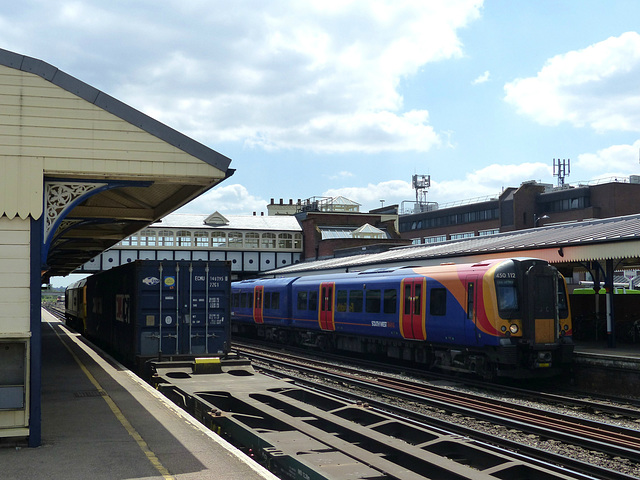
160, 309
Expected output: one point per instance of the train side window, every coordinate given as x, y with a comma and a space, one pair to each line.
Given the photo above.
390, 300
302, 300
236, 300
372, 304
341, 299
563, 308
250, 297
407, 299
470, 300
267, 299
438, 303
313, 300
275, 300
355, 301
244, 302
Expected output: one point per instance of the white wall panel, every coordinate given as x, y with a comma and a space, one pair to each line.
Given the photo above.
110, 259
236, 261
147, 254
267, 261
217, 255
14, 276
164, 255
251, 262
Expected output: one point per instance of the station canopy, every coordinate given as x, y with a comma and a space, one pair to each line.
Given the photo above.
92, 168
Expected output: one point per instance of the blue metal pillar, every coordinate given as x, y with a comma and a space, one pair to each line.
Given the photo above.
35, 377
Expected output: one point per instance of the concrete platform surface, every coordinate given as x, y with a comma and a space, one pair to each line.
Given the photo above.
99, 421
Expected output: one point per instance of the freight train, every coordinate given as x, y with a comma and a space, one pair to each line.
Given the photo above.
497, 318
151, 309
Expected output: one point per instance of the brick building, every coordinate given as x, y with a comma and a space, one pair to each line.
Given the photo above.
530, 205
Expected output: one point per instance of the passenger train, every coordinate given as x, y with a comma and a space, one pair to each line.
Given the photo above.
497, 318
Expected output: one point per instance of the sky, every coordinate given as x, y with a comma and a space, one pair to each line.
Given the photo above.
321, 98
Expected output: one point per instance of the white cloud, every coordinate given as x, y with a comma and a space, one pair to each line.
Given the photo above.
342, 175
613, 161
318, 75
228, 200
482, 78
595, 87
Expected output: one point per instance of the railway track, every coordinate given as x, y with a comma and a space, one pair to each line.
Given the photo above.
541, 393
593, 437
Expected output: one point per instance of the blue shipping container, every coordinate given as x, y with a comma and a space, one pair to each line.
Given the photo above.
151, 308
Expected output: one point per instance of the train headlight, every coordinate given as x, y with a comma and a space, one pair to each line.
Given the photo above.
503, 329
566, 327
513, 328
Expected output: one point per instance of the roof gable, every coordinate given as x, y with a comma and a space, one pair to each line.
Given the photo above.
216, 218
115, 107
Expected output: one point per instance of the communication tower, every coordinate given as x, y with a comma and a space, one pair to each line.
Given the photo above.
421, 184
561, 169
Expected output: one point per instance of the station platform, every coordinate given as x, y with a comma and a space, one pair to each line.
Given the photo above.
608, 371
627, 354
100, 421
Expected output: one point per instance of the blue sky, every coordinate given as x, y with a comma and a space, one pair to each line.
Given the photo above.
336, 97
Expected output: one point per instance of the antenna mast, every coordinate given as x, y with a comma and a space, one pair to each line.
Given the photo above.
561, 169
421, 184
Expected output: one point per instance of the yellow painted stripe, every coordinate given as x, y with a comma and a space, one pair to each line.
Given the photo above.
120, 416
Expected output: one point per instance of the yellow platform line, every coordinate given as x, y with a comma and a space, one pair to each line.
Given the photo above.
119, 415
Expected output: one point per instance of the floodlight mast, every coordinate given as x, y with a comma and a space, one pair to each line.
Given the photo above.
561, 169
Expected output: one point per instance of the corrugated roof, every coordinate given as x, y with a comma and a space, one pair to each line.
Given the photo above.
617, 237
236, 222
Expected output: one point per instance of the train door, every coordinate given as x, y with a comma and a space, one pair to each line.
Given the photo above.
541, 311
325, 311
258, 303
412, 323
471, 322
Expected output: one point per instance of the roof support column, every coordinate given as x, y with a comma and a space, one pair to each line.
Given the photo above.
35, 349
608, 285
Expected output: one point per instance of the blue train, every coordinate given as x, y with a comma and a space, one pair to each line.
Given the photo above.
503, 317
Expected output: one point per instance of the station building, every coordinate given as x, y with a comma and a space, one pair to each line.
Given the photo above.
292, 232
531, 205
251, 243
334, 226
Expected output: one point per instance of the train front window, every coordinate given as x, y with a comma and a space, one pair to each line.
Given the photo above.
507, 296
